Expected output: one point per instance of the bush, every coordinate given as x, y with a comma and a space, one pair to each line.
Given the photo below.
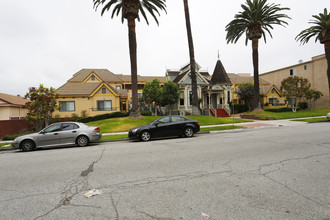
303, 105
285, 109
239, 108
146, 113
104, 116
9, 137
74, 117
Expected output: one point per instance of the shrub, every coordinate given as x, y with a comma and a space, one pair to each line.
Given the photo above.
104, 116
239, 108
74, 117
9, 137
285, 109
83, 113
146, 113
303, 105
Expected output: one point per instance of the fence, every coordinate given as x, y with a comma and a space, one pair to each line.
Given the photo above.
9, 127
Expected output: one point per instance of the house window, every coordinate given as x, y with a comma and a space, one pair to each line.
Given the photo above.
104, 90
273, 91
190, 98
305, 67
67, 106
293, 72
272, 101
93, 78
104, 105
181, 98
118, 87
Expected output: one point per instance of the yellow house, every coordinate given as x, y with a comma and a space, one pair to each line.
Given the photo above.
269, 93
12, 107
314, 70
93, 92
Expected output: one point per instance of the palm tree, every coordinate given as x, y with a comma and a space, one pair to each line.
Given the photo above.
130, 11
321, 31
256, 19
195, 107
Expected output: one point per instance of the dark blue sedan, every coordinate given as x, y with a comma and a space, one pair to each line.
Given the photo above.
168, 126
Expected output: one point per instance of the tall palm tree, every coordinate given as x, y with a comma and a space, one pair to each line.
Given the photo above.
130, 11
195, 107
321, 31
256, 19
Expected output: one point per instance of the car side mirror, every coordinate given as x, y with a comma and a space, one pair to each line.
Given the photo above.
42, 132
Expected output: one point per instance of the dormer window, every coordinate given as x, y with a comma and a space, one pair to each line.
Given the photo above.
93, 78
104, 90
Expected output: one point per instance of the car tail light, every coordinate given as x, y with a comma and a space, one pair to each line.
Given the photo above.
97, 130
196, 122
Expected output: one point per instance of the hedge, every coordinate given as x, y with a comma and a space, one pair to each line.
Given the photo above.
104, 116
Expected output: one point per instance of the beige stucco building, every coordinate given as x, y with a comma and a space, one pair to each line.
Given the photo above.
12, 107
314, 70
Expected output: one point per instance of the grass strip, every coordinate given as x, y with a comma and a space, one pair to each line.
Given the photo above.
321, 119
220, 128
5, 145
113, 137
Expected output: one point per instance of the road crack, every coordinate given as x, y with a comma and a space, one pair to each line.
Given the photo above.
74, 187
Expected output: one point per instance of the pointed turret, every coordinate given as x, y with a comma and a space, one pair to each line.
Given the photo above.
219, 75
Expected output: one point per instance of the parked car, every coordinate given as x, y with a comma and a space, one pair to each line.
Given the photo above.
57, 134
328, 116
168, 126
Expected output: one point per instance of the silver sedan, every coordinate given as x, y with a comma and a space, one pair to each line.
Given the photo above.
57, 134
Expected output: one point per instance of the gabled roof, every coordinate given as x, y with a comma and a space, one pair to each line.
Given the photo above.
219, 75
13, 100
78, 88
237, 79
103, 74
265, 89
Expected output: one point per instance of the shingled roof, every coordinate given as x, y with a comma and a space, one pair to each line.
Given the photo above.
219, 75
103, 74
77, 88
13, 100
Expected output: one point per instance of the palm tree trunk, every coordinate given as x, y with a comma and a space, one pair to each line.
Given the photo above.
255, 58
327, 56
195, 109
133, 58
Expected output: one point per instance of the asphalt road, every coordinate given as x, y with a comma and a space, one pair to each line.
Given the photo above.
271, 173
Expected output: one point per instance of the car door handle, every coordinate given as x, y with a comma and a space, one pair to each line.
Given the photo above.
74, 131
55, 133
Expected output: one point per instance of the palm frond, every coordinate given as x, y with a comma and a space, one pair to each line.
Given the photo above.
255, 12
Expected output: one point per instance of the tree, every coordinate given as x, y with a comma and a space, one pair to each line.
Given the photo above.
170, 95
42, 105
130, 11
294, 89
321, 31
152, 93
256, 19
195, 106
246, 92
312, 96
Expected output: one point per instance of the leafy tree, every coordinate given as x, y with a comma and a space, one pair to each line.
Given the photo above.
246, 92
152, 93
294, 89
321, 31
42, 105
312, 96
195, 106
170, 95
256, 19
130, 11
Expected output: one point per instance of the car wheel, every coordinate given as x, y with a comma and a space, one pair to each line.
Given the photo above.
82, 141
145, 136
27, 145
189, 132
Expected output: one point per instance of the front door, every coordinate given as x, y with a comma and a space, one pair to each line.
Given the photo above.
214, 101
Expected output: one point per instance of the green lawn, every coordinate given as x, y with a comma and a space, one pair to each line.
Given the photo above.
288, 115
5, 145
124, 124
220, 128
312, 119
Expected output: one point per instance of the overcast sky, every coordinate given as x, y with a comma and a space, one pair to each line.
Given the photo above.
46, 42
